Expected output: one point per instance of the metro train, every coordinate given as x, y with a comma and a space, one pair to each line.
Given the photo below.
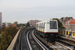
48, 29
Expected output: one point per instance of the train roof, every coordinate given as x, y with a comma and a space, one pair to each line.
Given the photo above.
45, 21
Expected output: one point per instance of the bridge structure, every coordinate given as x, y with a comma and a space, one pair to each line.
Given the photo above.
27, 39
16, 42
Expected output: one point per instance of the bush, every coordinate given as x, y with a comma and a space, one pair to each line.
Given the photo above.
7, 36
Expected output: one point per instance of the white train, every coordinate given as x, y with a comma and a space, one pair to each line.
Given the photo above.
48, 29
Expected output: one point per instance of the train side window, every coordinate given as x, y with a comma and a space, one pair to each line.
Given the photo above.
74, 27
37, 26
44, 25
40, 26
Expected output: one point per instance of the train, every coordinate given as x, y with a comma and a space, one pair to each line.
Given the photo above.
48, 29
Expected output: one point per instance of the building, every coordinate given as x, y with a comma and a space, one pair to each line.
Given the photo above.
70, 24
3, 25
65, 19
7, 24
33, 22
13, 25
0, 20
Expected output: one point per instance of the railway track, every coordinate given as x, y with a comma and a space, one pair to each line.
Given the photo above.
63, 46
23, 42
56, 46
68, 43
30, 48
46, 43
31, 41
33, 44
39, 42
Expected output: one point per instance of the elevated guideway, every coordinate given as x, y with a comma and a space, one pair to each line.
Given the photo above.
27, 39
16, 42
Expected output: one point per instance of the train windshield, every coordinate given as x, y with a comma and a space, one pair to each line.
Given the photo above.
53, 25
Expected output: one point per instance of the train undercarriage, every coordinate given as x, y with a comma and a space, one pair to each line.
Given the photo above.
48, 36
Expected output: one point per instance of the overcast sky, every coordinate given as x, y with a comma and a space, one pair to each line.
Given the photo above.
25, 10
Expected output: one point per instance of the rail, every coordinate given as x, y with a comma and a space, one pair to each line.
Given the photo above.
29, 42
64, 46
39, 42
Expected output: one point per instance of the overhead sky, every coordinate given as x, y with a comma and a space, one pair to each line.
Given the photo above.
25, 10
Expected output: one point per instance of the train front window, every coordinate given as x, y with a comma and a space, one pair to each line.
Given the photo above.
53, 25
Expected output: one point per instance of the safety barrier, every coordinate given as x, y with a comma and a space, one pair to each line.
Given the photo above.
67, 32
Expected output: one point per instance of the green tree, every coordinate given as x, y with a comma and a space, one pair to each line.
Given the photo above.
18, 25
7, 36
27, 24
3, 28
21, 25
15, 22
60, 25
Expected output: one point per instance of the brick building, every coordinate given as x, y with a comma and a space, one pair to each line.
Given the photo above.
33, 22
65, 19
7, 24
13, 25
0, 20
70, 24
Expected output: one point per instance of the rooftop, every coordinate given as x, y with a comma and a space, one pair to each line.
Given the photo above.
72, 21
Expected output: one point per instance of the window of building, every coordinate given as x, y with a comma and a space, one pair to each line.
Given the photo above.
74, 27
69, 22
68, 27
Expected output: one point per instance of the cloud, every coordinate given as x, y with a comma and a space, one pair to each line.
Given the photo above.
24, 10
36, 13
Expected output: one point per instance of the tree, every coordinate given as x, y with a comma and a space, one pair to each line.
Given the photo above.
60, 25
20, 25
15, 22
6, 37
27, 24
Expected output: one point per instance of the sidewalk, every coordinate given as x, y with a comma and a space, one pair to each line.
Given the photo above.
72, 38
